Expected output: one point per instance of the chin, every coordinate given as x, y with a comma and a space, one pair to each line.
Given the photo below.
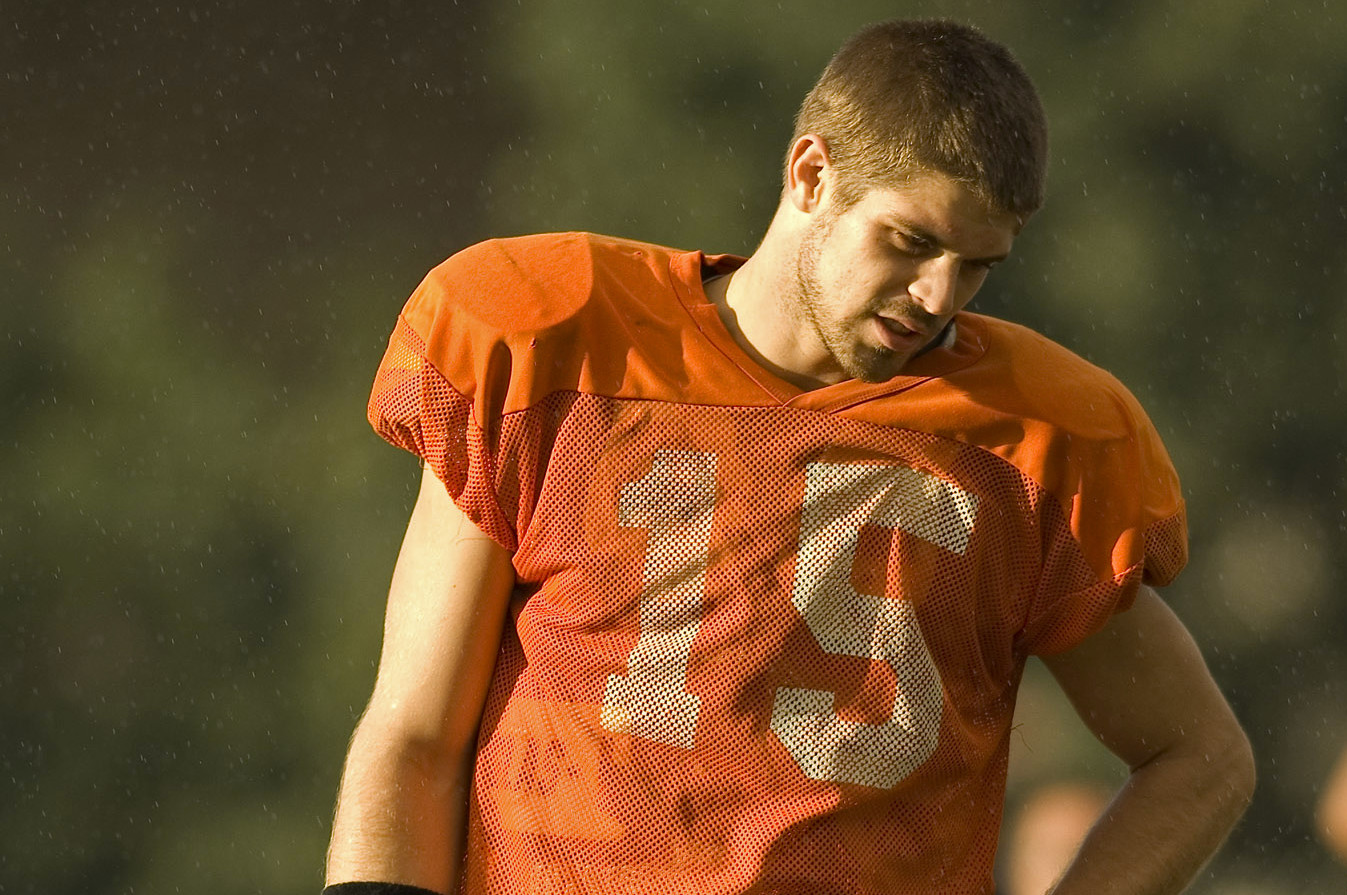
876, 372
876, 365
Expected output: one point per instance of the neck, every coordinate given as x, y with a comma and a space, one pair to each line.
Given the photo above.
755, 308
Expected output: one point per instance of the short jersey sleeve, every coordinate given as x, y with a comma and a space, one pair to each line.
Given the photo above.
1119, 522
1074, 598
454, 384
1105, 499
413, 406
497, 339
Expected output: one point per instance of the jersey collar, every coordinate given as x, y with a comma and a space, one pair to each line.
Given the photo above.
961, 346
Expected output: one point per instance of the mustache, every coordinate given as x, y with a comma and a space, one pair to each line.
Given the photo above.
909, 310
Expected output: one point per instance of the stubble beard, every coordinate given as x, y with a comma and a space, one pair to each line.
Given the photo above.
840, 338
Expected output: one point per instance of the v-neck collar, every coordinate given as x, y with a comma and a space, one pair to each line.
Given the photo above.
687, 269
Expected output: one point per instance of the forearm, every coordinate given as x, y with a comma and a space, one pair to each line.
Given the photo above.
1165, 823
400, 815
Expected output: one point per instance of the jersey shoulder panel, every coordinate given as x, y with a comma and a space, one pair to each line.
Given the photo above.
1025, 374
1080, 435
1058, 418
509, 321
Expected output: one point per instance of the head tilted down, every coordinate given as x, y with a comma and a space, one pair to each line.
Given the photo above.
909, 97
917, 158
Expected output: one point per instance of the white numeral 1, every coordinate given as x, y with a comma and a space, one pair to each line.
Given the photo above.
675, 503
839, 499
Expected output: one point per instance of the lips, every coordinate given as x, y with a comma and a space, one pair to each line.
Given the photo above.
898, 336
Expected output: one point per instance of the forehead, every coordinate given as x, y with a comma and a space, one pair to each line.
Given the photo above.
944, 210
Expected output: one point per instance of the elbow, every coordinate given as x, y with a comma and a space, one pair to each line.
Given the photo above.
1235, 774
412, 749
1247, 771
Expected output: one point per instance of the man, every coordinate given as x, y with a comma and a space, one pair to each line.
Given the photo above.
723, 572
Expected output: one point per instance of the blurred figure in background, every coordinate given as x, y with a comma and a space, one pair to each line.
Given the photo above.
1046, 832
1331, 814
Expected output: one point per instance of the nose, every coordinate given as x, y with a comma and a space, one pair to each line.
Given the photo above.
936, 287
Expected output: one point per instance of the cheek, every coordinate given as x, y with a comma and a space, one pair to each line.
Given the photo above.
853, 277
851, 292
866, 268
880, 282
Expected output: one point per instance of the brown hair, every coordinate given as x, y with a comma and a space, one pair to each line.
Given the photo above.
908, 96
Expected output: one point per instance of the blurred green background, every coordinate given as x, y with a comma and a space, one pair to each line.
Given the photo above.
211, 214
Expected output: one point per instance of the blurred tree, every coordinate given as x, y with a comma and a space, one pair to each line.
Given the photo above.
212, 213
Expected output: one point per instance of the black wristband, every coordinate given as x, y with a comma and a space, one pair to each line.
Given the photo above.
376, 889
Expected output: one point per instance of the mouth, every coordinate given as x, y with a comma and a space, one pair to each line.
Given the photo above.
896, 335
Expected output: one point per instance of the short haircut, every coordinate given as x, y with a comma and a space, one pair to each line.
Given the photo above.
904, 97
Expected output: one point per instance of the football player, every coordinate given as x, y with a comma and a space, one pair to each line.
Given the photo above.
724, 570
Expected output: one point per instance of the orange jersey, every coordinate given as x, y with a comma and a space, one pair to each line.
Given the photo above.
764, 640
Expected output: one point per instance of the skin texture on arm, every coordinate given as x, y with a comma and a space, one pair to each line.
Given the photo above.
403, 801
1142, 687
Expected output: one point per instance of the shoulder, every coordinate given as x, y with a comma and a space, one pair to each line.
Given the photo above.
534, 283
1026, 375
1066, 424
510, 321
1080, 434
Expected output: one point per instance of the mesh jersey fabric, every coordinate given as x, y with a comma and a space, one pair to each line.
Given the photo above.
763, 640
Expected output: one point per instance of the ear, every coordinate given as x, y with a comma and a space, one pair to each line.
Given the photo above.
809, 171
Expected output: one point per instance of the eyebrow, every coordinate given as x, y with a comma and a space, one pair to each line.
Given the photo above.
925, 235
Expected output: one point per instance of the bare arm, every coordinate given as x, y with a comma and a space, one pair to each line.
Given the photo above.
403, 800
1142, 687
